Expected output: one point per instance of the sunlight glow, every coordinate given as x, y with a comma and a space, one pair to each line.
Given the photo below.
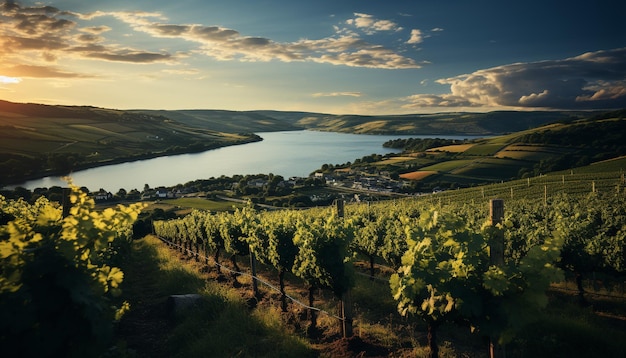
5, 79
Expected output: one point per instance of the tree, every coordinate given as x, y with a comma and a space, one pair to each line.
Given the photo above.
121, 194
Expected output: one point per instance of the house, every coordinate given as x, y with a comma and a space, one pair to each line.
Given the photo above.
257, 183
163, 193
102, 194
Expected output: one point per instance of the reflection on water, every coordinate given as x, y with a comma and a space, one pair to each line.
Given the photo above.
295, 153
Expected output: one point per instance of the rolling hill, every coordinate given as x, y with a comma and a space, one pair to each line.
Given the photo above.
38, 140
531, 152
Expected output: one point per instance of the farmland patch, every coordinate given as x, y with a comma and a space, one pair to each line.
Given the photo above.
417, 175
457, 148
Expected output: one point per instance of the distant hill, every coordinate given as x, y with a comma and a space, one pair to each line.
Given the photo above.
38, 140
532, 152
231, 121
490, 123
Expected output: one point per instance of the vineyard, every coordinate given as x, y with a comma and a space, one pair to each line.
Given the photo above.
59, 275
484, 271
444, 259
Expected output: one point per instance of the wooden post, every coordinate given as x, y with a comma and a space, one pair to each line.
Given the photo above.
496, 257
66, 202
545, 195
346, 298
593, 186
346, 314
340, 208
255, 286
496, 216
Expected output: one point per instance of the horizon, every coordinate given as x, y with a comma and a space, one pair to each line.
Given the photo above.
349, 58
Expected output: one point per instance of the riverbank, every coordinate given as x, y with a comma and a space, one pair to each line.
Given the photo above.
252, 138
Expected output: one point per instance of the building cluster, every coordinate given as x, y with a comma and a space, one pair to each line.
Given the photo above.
340, 178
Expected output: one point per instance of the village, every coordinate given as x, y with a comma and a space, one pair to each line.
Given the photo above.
319, 188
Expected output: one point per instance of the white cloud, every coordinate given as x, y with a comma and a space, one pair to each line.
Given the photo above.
30, 35
369, 24
416, 37
337, 94
592, 80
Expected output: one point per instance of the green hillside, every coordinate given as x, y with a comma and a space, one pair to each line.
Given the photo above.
230, 121
527, 153
452, 123
38, 140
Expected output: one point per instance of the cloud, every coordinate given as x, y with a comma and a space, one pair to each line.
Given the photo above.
371, 25
40, 72
96, 30
594, 80
31, 34
416, 37
224, 44
337, 94
418, 101
50, 33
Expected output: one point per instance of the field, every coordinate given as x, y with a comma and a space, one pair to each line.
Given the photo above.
194, 203
417, 175
459, 148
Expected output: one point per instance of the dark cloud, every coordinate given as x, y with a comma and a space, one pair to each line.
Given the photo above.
130, 56
255, 41
213, 33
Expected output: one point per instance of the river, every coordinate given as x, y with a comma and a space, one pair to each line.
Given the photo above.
290, 153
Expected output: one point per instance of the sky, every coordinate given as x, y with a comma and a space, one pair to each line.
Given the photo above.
369, 57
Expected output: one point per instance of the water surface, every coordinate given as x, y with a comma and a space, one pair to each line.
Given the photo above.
293, 153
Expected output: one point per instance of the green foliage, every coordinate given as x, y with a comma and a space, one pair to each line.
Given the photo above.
57, 281
446, 275
323, 259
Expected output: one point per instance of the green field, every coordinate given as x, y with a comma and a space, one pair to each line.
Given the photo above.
202, 204
448, 166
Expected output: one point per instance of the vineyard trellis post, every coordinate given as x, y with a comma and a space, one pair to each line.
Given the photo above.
67, 204
496, 246
255, 285
496, 257
346, 301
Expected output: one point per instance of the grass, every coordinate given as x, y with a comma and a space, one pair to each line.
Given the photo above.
202, 204
417, 175
222, 325
448, 166
458, 148
394, 160
484, 149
